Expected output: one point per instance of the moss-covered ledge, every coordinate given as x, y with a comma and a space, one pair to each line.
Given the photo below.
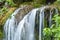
5, 16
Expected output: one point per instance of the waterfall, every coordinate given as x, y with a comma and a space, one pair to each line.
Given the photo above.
10, 26
25, 29
41, 23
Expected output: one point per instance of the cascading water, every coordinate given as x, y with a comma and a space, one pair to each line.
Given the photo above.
50, 18
41, 22
10, 26
25, 29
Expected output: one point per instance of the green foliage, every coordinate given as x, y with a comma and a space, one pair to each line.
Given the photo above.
58, 0
3, 10
1, 35
1, 0
57, 3
10, 2
54, 31
40, 1
47, 32
37, 5
57, 19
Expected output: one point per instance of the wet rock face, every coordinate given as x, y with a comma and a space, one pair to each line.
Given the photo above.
50, 1
2, 3
25, 9
21, 1
27, 0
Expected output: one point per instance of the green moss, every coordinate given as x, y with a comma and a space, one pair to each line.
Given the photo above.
1, 31
37, 5
40, 1
57, 5
3, 10
1, 34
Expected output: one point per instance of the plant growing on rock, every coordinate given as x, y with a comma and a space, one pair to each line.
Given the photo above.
53, 33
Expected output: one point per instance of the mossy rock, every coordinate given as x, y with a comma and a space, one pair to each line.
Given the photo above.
5, 16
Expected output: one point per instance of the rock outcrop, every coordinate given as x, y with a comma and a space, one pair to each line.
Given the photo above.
25, 9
